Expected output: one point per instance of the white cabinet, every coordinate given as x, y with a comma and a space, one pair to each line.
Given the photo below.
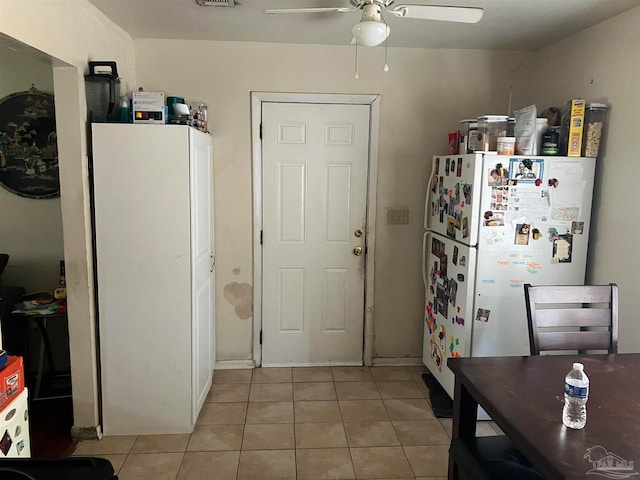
153, 205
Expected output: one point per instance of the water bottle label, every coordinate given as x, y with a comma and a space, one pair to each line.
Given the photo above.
575, 391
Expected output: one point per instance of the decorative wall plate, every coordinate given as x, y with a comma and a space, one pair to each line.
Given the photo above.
28, 144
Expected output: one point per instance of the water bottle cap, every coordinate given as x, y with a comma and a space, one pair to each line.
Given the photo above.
578, 366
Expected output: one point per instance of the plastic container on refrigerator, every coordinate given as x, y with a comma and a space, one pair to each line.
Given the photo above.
490, 127
593, 126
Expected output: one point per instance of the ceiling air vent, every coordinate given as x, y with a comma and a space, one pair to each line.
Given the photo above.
217, 3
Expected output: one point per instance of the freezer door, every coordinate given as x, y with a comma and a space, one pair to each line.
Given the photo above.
448, 269
452, 201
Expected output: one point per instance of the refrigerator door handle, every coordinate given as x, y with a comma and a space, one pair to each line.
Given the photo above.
424, 259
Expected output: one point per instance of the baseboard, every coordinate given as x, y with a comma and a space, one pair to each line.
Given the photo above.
234, 364
86, 433
396, 362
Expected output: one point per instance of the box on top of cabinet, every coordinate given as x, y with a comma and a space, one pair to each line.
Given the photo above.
148, 107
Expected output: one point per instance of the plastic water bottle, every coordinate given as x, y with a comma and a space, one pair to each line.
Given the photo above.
576, 393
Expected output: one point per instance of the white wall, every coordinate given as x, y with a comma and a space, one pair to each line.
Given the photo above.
31, 230
601, 64
424, 96
72, 32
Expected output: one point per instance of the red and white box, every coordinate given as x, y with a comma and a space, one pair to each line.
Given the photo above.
11, 380
15, 440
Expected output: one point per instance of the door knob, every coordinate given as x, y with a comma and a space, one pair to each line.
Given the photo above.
357, 251
357, 233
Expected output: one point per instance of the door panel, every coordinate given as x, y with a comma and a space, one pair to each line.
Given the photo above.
315, 167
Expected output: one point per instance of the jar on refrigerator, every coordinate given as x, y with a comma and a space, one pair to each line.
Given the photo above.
464, 135
490, 127
474, 144
594, 123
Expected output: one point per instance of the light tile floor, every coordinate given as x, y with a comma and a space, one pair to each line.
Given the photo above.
310, 423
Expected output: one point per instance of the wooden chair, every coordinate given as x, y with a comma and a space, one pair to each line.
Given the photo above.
567, 317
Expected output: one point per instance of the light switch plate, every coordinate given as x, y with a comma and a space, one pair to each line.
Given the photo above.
397, 217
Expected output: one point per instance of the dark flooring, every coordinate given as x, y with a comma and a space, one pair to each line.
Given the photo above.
50, 423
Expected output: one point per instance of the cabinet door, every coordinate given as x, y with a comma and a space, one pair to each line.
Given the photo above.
201, 173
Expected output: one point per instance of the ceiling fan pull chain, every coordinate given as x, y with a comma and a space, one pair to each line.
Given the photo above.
356, 65
386, 44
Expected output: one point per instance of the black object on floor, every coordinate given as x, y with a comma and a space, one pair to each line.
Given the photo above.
441, 402
74, 468
490, 458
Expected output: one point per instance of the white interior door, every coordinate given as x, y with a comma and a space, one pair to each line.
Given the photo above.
203, 342
315, 167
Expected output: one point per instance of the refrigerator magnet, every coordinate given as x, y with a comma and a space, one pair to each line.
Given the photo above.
437, 165
451, 227
443, 267
455, 255
463, 260
435, 355
482, 315
562, 248
453, 291
577, 228
498, 176
522, 234
526, 170
535, 234
454, 343
465, 227
466, 190
494, 219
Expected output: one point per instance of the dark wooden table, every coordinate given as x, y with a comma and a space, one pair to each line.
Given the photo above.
524, 396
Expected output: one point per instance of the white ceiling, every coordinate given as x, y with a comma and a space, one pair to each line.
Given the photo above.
506, 25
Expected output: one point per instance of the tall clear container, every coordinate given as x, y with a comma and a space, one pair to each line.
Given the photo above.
595, 114
490, 127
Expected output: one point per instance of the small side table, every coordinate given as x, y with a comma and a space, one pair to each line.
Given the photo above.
41, 320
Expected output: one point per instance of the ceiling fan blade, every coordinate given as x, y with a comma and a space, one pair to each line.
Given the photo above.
310, 10
439, 12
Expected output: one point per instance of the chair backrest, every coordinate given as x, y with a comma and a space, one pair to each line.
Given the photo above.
568, 317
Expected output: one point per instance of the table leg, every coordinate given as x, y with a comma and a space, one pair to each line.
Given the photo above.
36, 393
465, 416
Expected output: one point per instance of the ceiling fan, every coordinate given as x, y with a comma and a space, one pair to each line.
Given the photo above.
372, 30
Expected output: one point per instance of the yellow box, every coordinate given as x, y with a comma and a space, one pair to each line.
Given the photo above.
575, 127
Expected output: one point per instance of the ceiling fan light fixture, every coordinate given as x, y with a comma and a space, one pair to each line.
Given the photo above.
370, 33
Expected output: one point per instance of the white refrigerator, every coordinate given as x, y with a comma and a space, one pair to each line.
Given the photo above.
494, 223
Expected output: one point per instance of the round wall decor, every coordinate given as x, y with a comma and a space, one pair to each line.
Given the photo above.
28, 144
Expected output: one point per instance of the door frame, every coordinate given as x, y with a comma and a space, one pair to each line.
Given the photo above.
373, 100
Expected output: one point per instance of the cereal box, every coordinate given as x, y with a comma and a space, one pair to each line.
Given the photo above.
576, 122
